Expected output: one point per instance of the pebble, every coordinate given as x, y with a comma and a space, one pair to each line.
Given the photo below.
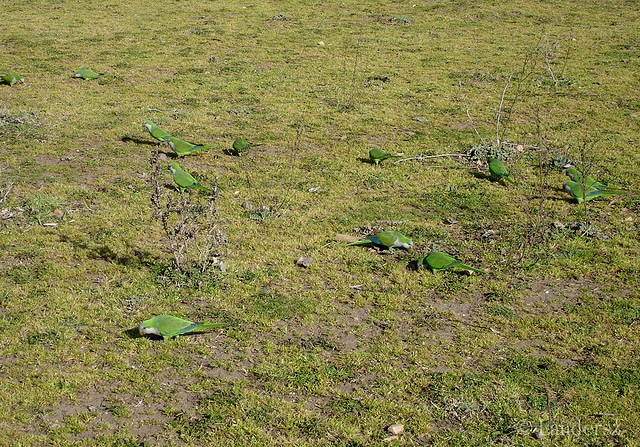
395, 429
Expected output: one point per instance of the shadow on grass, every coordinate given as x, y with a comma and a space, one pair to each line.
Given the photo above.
128, 139
133, 333
482, 176
365, 160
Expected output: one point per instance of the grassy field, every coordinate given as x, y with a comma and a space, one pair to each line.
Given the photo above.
541, 350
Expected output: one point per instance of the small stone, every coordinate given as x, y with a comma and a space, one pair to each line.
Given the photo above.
58, 213
420, 119
314, 189
321, 43
246, 205
391, 438
304, 262
6, 214
395, 429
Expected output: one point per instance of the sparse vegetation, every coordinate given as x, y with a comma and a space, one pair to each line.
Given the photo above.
541, 349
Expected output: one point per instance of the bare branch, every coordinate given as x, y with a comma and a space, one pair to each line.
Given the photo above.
466, 107
499, 114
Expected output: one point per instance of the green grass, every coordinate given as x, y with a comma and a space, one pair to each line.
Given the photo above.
542, 349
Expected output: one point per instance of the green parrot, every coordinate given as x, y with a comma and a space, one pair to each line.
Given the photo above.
87, 74
498, 170
389, 239
585, 180
184, 180
169, 326
585, 193
377, 155
183, 148
155, 131
437, 260
240, 146
11, 79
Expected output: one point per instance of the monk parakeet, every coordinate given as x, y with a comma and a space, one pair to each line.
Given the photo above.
156, 132
377, 155
183, 148
87, 74
183, 179
585, 180
585, 193
498, 170
11, 79
168, 326
240, 146
389, 239
437, 260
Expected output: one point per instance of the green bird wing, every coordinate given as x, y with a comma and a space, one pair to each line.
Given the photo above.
584, 194
240, 146
11, 79
499, 170
183, 148
585, 180
392, 239
169, 326
438, 260
86, 74
156, 132
183, 179
377, 155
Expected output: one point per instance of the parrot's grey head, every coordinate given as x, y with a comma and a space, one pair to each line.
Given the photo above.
147, 124
407, 245
172, 168
143, 329
567, 188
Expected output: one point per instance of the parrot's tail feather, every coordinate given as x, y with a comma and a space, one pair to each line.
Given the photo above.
213, 325
468, 267
361, 242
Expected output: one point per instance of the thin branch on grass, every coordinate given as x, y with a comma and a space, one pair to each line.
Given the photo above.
499, 113
466, 107
5, 192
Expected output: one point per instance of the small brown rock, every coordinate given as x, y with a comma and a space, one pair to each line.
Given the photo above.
395, 429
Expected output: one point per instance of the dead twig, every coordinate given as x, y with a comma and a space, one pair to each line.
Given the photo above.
466, 108
499, 113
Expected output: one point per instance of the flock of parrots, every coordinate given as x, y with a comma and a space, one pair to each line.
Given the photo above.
581, 187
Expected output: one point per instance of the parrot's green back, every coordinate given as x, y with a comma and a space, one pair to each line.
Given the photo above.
498, 170
389, 239
240, 146
169, 326
156, 132
584, 180
585, 194
11, 79
437, 260
183, 179
377, 155
183, 148
86, 74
